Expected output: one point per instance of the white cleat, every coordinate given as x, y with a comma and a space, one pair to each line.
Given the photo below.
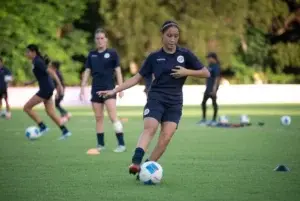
120, 149
100, 148
65, 136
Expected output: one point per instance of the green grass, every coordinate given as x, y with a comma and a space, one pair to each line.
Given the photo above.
200, 163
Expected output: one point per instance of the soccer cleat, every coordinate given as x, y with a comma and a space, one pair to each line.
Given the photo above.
65, 136
202, 122
44, 131
120, 148
134, 169
8, 115
100, 147
213, 123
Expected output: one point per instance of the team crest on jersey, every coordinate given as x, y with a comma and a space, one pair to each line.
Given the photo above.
106, 55
180, 59
146, 111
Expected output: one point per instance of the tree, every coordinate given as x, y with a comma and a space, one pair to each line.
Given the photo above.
46, 23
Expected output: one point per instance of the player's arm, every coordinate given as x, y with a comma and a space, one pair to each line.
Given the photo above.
129, 83
85, 77
217, 80
53, 74
119, 75
203, 73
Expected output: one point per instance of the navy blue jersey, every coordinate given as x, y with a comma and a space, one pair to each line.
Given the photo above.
214, 70
148, 82
165, 88
60, 77
4, 72
102, 66
39, 69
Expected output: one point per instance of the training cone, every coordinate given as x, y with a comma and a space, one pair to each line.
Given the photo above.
93, 152
282, 168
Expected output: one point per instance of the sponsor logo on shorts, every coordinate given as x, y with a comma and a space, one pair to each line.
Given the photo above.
146, 111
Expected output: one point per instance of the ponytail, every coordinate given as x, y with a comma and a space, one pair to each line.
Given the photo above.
35, 48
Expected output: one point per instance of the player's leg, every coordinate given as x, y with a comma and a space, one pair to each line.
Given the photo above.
98, 106
152, 116
65, 116
215, 107
111, 108
203, 106
8, 113
28, 108
170, 121
50, 110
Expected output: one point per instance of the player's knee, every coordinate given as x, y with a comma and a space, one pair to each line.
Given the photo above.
99, 118
149, 131
118, 127
26, 109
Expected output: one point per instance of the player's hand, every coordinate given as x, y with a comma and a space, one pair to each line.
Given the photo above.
82, 94
106, 93
179, 72
121, 94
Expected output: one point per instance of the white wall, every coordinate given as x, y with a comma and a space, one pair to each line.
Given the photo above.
231, 94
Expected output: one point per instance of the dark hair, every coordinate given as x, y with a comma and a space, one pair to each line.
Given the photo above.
56, 64
214, 56
100, 30
167, 24
35, 48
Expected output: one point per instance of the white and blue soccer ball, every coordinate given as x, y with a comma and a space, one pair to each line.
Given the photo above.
32, 133
151, 173
244, 119
286, 120
223, 119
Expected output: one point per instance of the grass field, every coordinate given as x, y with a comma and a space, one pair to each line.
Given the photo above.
200, 164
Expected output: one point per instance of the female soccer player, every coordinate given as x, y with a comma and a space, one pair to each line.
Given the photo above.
212, 85
103, 64
5, 76
170, 65
65, 116
46, 88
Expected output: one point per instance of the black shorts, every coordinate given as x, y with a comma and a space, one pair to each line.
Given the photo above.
3, 93
97, 99
45, 94
163, 113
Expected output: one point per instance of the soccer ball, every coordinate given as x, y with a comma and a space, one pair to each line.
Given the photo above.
151, 173
32, 133
223, 119
244, 119
286, 120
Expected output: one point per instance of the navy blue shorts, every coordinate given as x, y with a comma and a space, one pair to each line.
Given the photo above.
45, 94
3, 93
97, 99
162, 112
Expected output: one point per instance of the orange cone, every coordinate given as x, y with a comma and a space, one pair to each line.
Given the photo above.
93, 152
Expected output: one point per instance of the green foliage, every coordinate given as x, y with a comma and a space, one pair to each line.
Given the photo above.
235, 29
41, 22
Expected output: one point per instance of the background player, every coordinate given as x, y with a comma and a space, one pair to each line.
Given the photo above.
103, 64
65, 116
46, 88
5, 77
212, 86
170, 65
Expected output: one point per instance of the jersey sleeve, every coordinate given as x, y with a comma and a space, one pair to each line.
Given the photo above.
146, 69
88, 63
192, 62
116, 60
